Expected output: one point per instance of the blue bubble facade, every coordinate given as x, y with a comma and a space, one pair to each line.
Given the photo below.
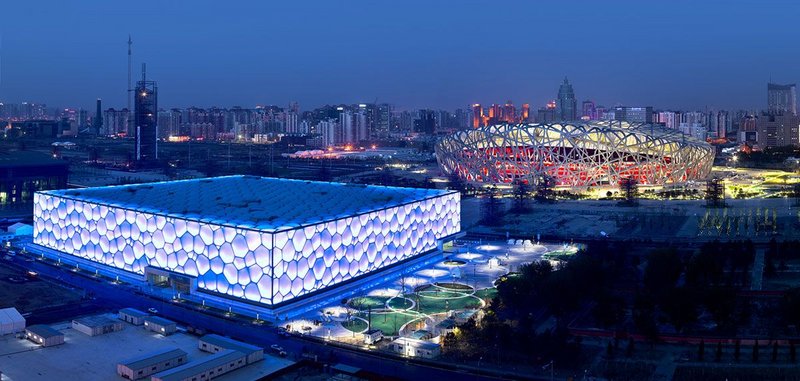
264, 258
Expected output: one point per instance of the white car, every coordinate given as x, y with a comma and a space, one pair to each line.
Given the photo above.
276, 347
152, 310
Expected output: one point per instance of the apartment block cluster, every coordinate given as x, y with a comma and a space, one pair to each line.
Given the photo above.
778, 125
351, 124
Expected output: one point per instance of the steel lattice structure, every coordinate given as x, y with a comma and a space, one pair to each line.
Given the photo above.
575, 155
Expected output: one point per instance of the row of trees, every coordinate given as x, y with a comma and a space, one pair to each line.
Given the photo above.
510, 321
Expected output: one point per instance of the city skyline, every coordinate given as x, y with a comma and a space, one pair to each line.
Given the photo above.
432, 57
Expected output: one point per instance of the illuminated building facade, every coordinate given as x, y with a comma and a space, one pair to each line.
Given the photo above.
258, 240
477, 116
575, 155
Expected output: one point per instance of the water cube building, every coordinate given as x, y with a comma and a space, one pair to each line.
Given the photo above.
260, 240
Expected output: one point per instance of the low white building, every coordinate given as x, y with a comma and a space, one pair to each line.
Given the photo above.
11, 321
372, 336
415, 348
163, 326
44, 335
96, 325
133, 316
205, 369
151, 363
215, 343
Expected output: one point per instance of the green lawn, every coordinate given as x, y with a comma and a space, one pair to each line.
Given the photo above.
363, 303
432, 306
487, 293
355, 325
439, 294
389, 323
400, 303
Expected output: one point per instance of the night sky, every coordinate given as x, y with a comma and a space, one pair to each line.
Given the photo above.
438, 54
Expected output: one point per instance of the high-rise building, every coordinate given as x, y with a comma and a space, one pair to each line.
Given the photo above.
669, 119
509, 113
778, 130
495, 114
477, 116
115, 122
348, 127
566, 106
145, 119
525, 116
291, 122
83, 120
722, 124
694, 117
361, 126
383, 120
634, 114
98, 118
748, 130
589, 112
330, 130
781, 99
425, 122
169, 123
547, 114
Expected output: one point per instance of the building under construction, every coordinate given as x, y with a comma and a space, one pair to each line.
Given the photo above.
146, 119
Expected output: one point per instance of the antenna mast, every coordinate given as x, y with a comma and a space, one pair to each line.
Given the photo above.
130, 85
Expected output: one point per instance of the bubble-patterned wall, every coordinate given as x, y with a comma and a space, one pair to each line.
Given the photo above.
264, 266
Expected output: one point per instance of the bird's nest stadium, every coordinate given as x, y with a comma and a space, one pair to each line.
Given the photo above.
575, 155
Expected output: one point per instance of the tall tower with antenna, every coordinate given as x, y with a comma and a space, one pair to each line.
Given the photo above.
130, 84
146, 118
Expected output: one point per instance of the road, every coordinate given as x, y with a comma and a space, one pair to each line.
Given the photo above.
109, 296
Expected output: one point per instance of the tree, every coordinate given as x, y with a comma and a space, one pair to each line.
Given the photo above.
718, 356
629, 188
544, 188
522, 196
774, 351
449, 342
662, 271
796, 194
737, 350
169, 170
755, 351
455, 182
701, 350
680, 306
790, 306
492, 207
387, 177
324, 173
211, 168
94, 154
715, 193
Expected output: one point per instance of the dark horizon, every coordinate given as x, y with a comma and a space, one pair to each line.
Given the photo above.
681, 55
